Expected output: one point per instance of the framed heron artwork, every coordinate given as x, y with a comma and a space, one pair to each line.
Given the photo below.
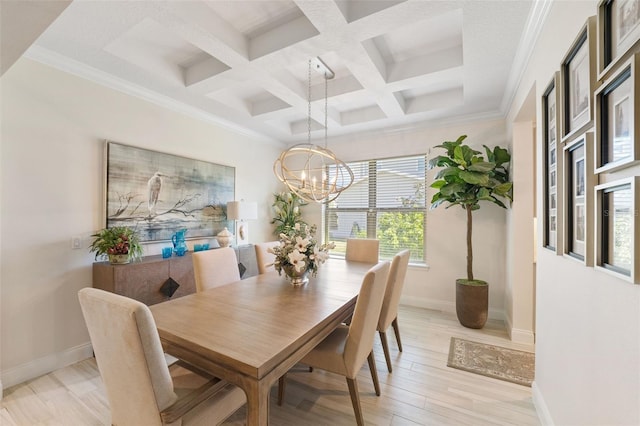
159, 193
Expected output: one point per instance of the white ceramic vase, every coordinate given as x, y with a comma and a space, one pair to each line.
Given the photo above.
224, 237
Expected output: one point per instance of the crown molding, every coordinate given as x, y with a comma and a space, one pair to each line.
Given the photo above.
537, 17
71, 66
420, 126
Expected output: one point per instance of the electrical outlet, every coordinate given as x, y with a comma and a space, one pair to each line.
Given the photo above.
75, 243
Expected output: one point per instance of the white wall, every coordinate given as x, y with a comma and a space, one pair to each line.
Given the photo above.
519, 287
588, 322
53, 130
434, 287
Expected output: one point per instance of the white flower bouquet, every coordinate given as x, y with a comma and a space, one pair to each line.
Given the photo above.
299, 251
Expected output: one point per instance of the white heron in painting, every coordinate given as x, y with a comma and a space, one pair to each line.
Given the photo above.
154, 184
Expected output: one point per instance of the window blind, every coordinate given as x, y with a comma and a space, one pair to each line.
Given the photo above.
386, 201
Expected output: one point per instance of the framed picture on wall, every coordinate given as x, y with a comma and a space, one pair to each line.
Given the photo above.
616, 116
578, 78
552, 167
578, 191
158, 193
617, 225
618, 32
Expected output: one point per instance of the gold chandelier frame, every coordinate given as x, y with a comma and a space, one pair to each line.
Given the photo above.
312, 172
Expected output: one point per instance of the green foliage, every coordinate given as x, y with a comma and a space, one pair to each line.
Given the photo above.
399, 231
117, 240
404, 230
286, 208
468, 178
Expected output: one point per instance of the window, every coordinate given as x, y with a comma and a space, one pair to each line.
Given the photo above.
386, 201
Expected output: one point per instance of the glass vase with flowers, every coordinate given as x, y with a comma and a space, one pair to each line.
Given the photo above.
299, 254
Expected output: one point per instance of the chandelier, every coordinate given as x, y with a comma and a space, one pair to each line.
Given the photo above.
312, 172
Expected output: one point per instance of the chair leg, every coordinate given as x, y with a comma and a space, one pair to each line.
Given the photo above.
355, 400
385, 348
281, 389
374, 372
394, 323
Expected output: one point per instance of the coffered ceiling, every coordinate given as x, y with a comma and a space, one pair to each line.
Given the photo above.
244, 64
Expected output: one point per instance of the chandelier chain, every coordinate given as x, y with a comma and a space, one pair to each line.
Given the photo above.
326, 84
309, 104
313, 172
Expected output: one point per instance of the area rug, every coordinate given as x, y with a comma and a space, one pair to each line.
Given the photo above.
492, 361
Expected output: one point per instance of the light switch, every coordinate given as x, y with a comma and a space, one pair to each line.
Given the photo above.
75, 243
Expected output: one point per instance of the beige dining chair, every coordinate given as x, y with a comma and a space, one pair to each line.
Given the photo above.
389, 312
347, 347
213, 268
263, 257
141, 388
362, 250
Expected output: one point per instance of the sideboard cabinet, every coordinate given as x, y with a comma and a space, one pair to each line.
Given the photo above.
154, 279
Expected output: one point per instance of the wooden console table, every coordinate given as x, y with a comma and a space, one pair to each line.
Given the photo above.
144, 280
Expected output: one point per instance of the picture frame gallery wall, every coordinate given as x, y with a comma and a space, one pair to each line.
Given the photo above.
589, 115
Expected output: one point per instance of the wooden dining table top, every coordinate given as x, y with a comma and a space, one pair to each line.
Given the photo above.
251, 326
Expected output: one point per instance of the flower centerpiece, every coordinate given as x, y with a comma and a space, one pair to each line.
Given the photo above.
299, 254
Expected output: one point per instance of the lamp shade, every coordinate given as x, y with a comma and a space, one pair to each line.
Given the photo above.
242, 210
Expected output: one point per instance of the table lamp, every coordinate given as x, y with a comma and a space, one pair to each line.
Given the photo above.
241, 211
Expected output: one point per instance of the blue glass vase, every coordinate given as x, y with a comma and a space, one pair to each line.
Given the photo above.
179, 244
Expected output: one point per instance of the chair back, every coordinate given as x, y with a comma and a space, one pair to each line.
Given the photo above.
213, 268
365, 318
395, 283
263, 257
129, 356
362, 250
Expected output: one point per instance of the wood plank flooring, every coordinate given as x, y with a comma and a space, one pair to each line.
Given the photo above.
422, 390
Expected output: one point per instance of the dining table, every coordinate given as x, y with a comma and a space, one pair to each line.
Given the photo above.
251, 332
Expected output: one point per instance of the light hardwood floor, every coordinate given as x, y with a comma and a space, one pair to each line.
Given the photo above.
422, 390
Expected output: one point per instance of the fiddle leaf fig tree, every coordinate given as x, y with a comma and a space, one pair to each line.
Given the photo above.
466, 178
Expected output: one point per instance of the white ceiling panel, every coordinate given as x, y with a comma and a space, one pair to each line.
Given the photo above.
244, 64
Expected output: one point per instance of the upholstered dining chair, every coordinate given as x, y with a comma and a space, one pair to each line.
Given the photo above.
141, 388
389, 312
263, 257
213, 268
347, 347
362, 250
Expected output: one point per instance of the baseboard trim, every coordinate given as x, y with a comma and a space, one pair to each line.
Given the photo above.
518, 335
44, 365
444, 306
541, 407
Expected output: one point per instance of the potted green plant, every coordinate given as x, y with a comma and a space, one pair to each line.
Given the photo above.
119, 243
466, 179
287, 212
